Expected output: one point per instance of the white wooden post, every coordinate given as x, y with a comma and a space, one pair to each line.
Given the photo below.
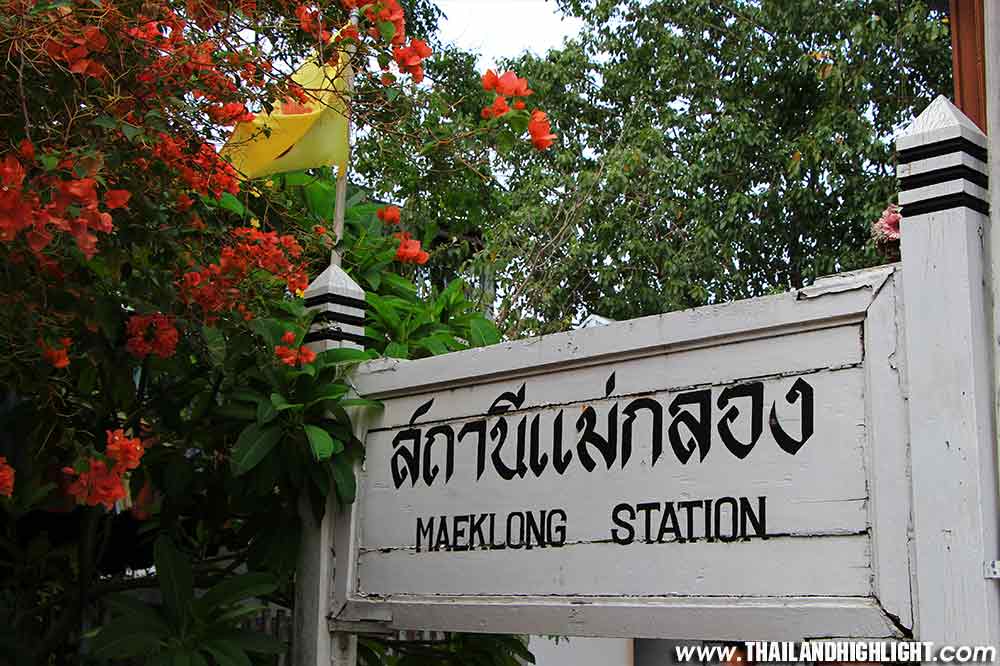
942, 171
340, 323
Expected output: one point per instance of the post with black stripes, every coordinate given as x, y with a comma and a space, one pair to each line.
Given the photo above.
322, 578
944, 197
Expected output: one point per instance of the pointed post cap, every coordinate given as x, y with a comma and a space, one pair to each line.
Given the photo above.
940, 121
340, 310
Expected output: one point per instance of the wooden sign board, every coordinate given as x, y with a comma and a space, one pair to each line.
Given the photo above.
682, 475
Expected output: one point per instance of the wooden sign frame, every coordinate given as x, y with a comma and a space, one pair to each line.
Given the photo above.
866, 303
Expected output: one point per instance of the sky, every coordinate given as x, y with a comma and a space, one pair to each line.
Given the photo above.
503, 28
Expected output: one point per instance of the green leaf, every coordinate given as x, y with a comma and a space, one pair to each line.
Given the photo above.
343, 355
482, 332
343, 476
129, 642
237, 588
266, 412
131, 607
323, 446
328, 392
176, 580
130, 131
388, 30
386, 311
215, 342
228, 202
280, 404
253, 444
397, 350
227, 654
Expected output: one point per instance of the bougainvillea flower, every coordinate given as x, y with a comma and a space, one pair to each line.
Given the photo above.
151, 334
409, 251
126, 452
499, 107
59, 358
11, 172
540, 130
510, 85
117, 198
6, 478
490, 79
389, 214
305, 139
98, 484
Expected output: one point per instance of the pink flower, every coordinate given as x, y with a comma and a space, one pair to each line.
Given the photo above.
887, 226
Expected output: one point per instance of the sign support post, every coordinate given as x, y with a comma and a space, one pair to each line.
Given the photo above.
943, 173
325, 556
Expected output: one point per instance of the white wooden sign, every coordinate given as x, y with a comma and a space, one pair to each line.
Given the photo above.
626, 479
816, 464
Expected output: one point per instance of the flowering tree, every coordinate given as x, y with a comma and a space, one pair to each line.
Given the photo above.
159, 404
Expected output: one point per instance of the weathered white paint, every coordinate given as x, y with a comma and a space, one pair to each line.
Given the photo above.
315, 590
951, 411
579, 651
821, 554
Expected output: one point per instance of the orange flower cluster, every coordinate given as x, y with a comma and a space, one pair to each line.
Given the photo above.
59, 358
290, 356
387, 11
151, 334
73, 207
507, 85
409, 251
410, 58
77, 47
389, 214
103, 484
6, 478
540, 130
217, 287
510, 85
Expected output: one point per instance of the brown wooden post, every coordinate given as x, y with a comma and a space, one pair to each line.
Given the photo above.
968, 58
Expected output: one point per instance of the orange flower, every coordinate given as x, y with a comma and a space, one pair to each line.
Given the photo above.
6, 478
117, 198
499, 107
59, 358
490, 79
306, 355
288, 338
409, 251
389, 214
126, 452
510, 85
540, 130
99, 484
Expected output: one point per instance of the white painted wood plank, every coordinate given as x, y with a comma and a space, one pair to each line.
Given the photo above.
888, 435
789, 354
821, 489
815, 307
718, 618
958, 186
953, 444
941, 162
783, 566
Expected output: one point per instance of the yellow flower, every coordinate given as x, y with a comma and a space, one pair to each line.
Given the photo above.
300, 293
255, 223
